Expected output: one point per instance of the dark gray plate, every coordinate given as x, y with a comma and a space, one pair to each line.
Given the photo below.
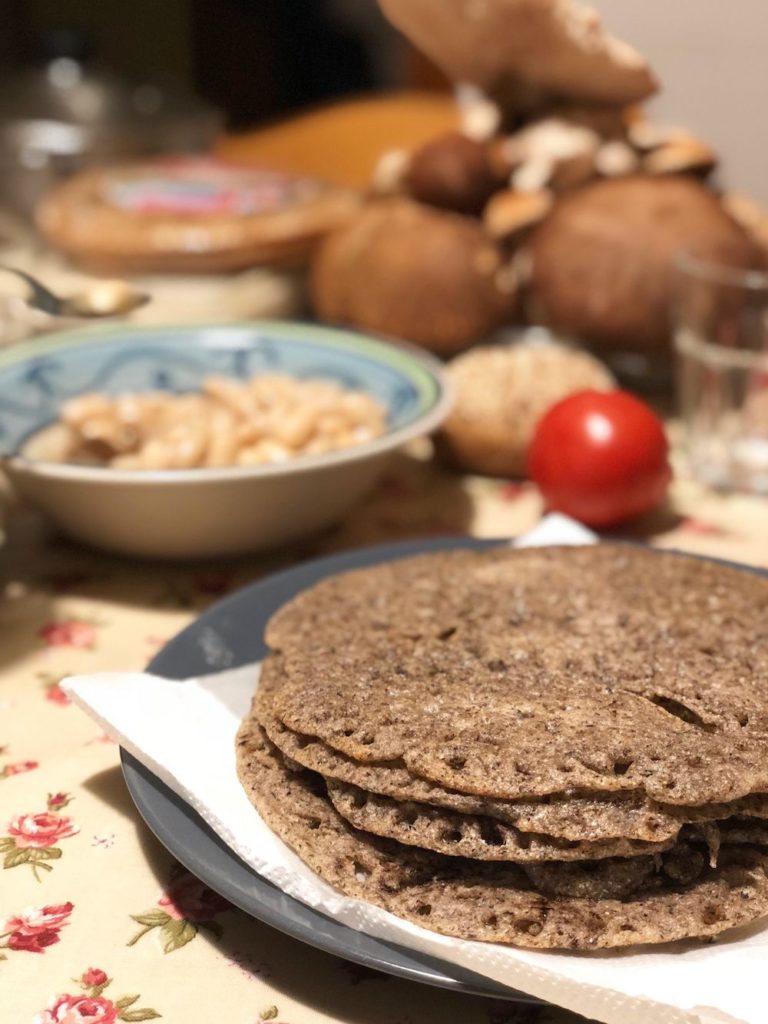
229, 634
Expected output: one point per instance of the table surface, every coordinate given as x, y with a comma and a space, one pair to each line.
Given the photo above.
93, 907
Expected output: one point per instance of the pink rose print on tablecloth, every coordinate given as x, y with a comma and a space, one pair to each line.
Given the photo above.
18, 768
92, 1007
35, 928
40, 831
186, 906
102, 737
33, 839
21, 943
56, 695
56, 801
79, 1010
69, 633
187, 898
53, 690
701, 527
93, 977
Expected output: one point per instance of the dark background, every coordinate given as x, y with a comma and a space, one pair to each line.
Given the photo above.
255, 59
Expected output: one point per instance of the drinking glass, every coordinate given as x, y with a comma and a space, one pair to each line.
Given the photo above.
721, 341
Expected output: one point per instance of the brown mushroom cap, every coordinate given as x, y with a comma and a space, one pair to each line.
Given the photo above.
452, 172
408, 271
602, 262
500, 393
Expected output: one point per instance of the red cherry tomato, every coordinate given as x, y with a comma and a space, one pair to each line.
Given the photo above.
601, 457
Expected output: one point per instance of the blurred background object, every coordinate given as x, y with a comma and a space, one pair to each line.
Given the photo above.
602, 262
721, 337
502, 390
258, 60
262, 59
483, 176
408, 271
87, 84
344, 142
64, 111
102, 299
328, 89
254, 59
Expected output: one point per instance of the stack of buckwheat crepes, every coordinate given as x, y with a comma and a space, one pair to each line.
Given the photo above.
550, 748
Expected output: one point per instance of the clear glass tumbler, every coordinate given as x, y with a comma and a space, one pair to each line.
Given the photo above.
721, 340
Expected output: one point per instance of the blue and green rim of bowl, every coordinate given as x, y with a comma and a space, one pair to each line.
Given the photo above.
422, 372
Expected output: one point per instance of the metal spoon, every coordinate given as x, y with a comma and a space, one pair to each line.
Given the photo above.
99, 299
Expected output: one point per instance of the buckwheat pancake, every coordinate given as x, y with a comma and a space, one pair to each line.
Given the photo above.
473, 836
520, 674
650, 899
573, 816
479, 837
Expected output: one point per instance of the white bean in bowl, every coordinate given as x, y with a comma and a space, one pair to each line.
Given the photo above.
266, 419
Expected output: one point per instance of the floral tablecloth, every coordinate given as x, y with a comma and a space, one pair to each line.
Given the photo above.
97, 922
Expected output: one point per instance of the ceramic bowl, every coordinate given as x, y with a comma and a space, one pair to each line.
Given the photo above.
201, 513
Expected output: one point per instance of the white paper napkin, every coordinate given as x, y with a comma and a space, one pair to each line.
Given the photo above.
685, 984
